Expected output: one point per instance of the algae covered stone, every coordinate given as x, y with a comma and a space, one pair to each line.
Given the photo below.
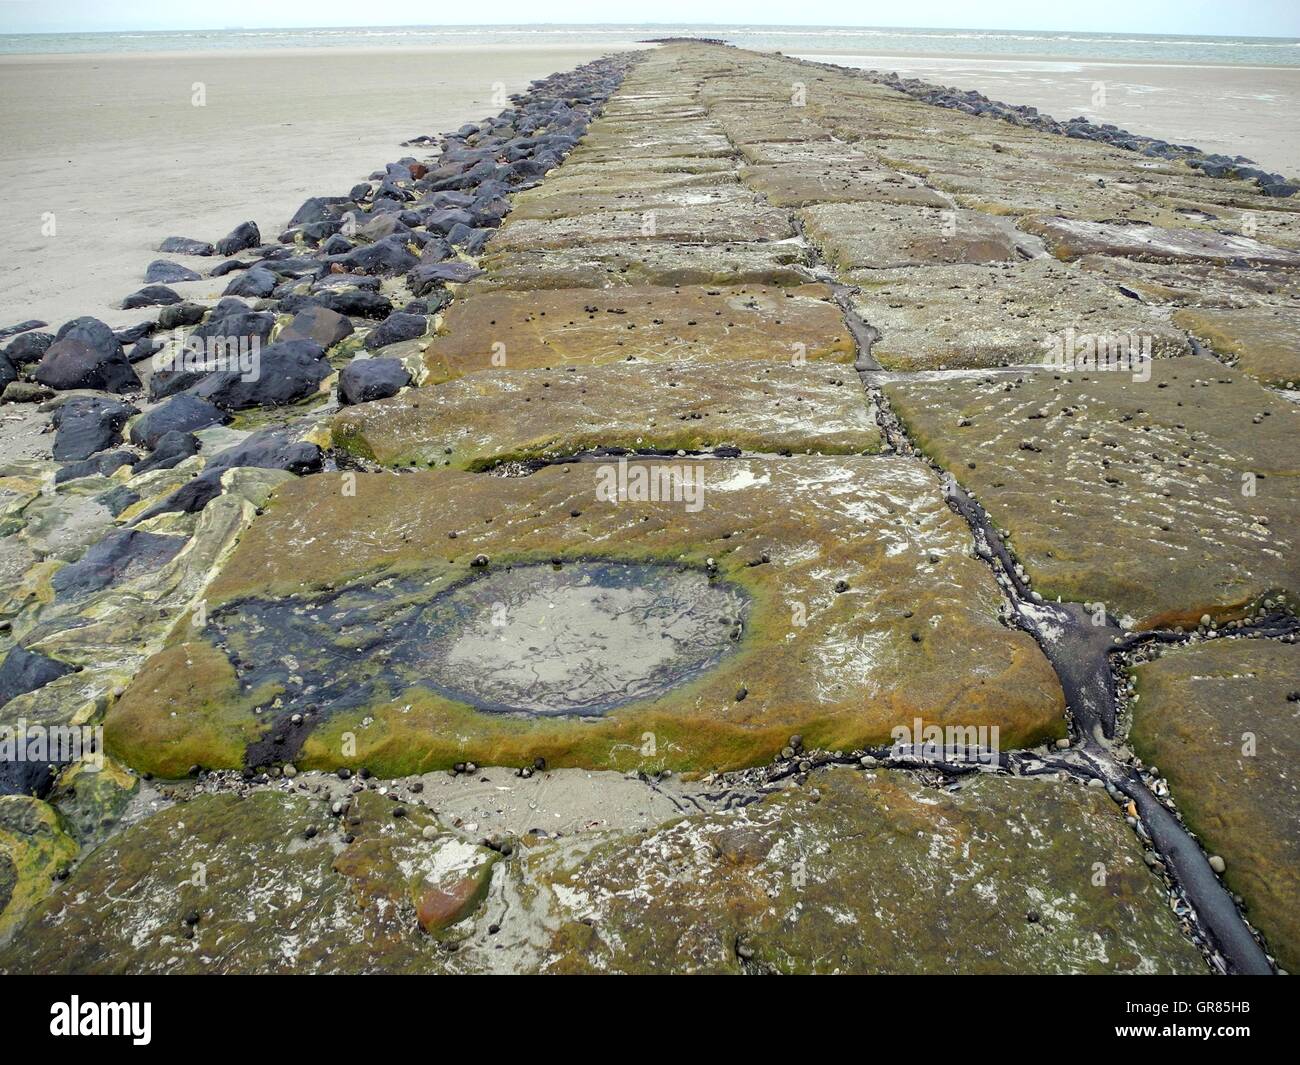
34, 847
949, 317
265, 883
1264, 340
1219, 721
871, 872
866, 610
591, 327
1165, 493
868, 236
482, 419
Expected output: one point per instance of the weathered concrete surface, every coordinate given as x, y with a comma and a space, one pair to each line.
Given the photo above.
1196, 284
593, 327
1125, 492
230, 884
642, 262
732, 220
955, 317
486, 418
858, 236
1263, 341
800, 184
863, 872
854, 872
913, 630
1218, 721
1070, 238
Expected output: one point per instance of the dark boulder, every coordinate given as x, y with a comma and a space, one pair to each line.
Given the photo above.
172, 449
364, 380
319, 208
185, 246
87, 424
288, 371
21, 327
228, 267
145, 349
132, 333
162, 272
118, 499
270, 450
225, 341
397, 327
357, 303
181, 314
254, 284
150, 296
430, 275
318, 324
28, 348
388, 257
470, 239
336, 245
183, 413
25, 671
86, 354
243, 236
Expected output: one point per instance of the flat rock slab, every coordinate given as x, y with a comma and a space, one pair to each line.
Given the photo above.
35, 846
486, 418
870, 236
545, 202
648, 140
591, 327
955, 317
618, 264
800, 184
913, 630
622, 172
871, 872
1197, 284
272, 900
752, 122
801, 153
734, 220
1122, 491
1216, 720
1264, 341
1070, 238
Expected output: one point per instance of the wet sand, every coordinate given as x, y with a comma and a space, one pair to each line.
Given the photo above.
1251, 111
113, 146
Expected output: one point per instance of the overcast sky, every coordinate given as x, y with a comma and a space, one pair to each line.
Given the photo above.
1279, 18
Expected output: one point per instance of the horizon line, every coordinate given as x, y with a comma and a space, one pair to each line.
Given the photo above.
647, 24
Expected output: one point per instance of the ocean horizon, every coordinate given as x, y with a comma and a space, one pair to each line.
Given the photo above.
1096, 47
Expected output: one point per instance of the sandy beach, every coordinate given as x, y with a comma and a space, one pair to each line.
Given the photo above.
113, 146
1251, 111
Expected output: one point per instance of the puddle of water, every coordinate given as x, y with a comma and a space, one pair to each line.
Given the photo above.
581, 639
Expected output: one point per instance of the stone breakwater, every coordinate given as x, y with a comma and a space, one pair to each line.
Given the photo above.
722, 515
972, 102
